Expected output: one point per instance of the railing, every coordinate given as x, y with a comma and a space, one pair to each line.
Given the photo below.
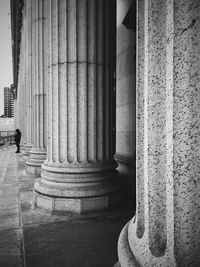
7, 137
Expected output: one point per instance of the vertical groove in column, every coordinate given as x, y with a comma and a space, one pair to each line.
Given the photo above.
109, 50
81, 82
29, 18
87, 82
76, 86
33, 72
37, 72
105, 85
21, 87
169, 121
50, 87
113, 7
142, 115
62, 69
99, 81
107, 78
157, 128
55, 96
66, 85
27, 74
96, 79
71, 82
25, 69
46, 68
92, 86
41, 75
24, 77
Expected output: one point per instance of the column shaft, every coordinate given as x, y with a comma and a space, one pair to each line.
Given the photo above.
165, 230
38, 152
27, 79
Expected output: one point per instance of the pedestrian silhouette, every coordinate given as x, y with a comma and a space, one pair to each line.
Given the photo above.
17, 140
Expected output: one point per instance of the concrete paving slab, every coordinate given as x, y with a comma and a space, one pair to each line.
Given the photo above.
11, 247
31, 238
90, 242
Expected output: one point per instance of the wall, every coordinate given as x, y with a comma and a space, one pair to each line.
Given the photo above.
125, 97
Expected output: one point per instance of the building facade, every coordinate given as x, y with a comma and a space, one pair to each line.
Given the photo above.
101, 83
8, 102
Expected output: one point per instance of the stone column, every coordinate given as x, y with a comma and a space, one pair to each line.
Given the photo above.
79, 173
27, 78
38, 152
166, 228
21, 88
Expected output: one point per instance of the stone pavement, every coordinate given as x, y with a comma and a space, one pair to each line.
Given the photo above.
31, 238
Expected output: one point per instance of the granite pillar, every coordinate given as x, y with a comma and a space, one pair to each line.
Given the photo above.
79, 174
38, 152
165, 230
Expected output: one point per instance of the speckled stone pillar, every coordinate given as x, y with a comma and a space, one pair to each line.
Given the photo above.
79, 174
38, 152
166, 228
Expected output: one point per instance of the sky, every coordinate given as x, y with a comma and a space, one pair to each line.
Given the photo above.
6, 76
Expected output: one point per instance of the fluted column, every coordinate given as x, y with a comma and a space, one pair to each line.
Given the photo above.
79, 173
27, 79
21, 103
38, 152
165, 230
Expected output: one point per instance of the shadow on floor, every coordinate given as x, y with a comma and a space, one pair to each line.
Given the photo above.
31, 238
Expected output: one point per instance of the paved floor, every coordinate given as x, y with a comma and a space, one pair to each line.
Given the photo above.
30, 238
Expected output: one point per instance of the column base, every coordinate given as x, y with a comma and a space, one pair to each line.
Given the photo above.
126, 257
134, 251
33, 164
78, 189
76, 205
26, 150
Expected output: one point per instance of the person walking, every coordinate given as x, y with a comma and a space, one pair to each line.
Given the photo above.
17, 140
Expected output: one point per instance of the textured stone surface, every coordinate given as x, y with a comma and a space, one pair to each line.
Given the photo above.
165, 231
78, 205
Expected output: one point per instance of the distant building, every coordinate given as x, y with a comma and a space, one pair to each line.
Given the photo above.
8, 102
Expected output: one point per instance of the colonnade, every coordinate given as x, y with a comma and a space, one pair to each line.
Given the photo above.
65, 90
65, 109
